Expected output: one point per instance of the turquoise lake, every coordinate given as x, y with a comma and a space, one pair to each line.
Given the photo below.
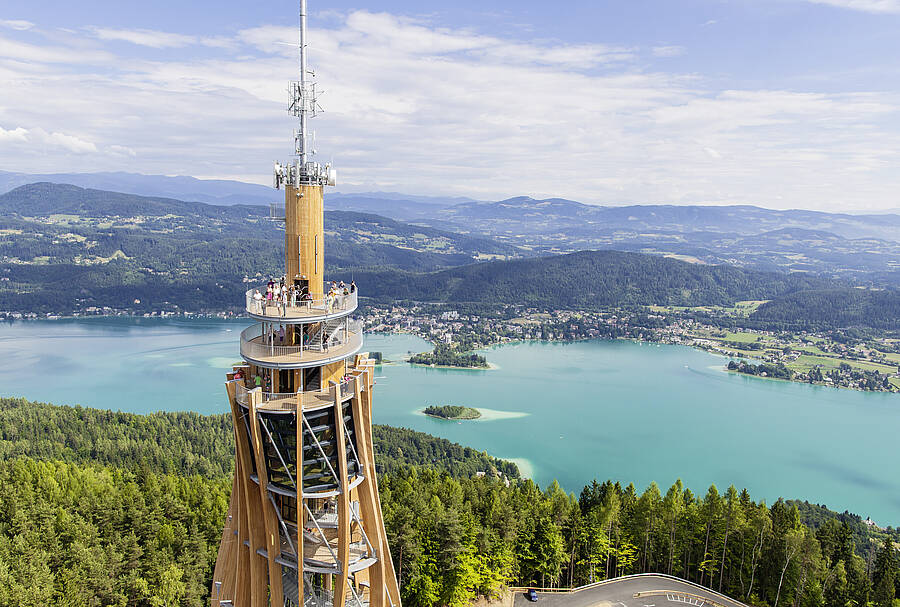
573, 412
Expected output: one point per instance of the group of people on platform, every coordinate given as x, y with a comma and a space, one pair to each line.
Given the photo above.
280, 295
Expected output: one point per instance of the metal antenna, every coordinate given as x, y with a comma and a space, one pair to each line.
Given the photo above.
303, 104
300, 139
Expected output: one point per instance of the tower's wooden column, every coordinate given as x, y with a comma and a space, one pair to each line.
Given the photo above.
343, 502
264, 515
368, 498
304, 235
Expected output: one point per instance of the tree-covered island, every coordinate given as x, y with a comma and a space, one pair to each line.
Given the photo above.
445, 355
454, 412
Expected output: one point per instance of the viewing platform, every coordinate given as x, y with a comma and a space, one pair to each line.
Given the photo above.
275, 349
287, 401
316, 309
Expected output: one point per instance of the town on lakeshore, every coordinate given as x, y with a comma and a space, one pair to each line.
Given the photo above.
836, 358
816, 358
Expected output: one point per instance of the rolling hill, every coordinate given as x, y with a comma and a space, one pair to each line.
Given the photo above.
598, 279
66, 248
589, 279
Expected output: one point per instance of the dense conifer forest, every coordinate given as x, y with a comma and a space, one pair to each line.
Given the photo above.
93, 513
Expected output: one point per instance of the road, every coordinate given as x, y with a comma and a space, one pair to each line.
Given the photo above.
655, 590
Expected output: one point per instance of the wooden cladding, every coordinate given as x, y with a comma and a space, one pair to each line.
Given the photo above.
261, 559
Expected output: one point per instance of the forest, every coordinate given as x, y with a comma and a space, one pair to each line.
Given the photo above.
86, 519
593, 280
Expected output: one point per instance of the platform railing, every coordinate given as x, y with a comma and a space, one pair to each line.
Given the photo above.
258, 344
300, 307
287, 401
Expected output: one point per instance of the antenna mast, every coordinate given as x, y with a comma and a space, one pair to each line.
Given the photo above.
303, 104
300, 137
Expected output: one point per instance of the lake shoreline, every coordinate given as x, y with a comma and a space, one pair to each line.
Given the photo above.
489, 367
578, 410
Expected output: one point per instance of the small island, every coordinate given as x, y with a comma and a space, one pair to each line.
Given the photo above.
454, 412
445, 356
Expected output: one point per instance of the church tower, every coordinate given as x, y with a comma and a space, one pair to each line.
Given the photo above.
304, 526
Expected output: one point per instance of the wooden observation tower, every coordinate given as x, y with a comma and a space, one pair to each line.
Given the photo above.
304, 526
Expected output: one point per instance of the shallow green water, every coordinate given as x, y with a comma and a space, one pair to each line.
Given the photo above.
573, 412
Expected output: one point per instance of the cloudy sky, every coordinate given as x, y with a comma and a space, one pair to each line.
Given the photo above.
778, 103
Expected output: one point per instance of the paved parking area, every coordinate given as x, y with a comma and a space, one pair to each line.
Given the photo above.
652, 591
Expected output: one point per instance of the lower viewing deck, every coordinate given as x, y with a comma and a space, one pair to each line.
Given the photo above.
287, 401
297, 347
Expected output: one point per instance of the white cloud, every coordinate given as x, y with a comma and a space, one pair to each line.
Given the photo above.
144, 37
49, 53
69, 143
54, 140
121, 150
16, 24
424, 109
158, 39
17, 134
868, 6
668, 51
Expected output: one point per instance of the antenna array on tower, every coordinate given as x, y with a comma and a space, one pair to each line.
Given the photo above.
303, 105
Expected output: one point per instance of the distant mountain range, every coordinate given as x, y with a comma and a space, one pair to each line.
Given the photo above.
527, 216
860, 248
212, 191
218, 191
69, 248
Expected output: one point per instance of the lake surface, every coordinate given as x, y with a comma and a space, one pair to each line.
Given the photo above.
573, 412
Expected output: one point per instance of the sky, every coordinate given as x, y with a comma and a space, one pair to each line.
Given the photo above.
776, 103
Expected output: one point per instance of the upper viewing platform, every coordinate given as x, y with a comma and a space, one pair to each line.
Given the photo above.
300, 308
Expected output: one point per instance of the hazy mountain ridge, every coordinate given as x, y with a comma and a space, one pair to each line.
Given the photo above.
215, 191
740, 219
212, 191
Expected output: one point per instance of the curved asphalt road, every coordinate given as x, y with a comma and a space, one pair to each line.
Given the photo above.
620, 593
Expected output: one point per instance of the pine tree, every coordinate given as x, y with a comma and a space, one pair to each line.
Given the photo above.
885, 575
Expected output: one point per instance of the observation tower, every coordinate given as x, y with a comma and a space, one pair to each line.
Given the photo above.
304, 526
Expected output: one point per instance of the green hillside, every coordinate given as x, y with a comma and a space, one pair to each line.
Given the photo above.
115, 248
597, 279
590, 279
834, 308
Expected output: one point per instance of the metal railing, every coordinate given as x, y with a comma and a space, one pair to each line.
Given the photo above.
287, 401
260, 344
299, 307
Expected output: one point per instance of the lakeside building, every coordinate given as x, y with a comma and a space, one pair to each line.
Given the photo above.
304, 525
